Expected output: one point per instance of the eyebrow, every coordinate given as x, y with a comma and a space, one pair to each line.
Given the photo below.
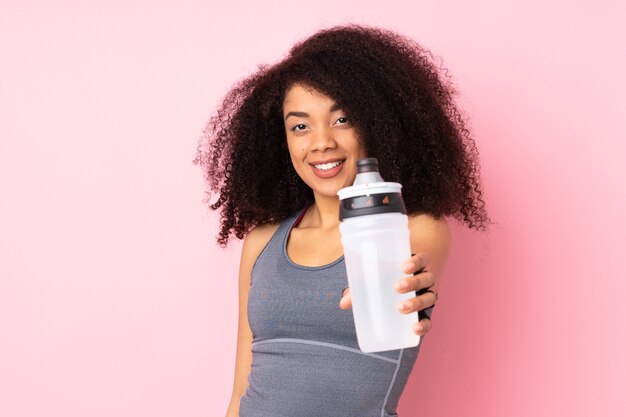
333, 108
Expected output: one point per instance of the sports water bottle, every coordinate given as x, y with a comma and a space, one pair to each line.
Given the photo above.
375, 238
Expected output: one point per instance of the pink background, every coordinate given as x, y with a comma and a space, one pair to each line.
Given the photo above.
114, 298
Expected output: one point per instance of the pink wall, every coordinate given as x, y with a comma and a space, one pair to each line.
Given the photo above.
114, 299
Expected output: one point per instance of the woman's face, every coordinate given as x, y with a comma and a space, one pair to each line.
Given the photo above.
322, 142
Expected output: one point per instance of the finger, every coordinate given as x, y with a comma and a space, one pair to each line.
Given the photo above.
414, 304
415, 282
346, 300
422, 327
415, 263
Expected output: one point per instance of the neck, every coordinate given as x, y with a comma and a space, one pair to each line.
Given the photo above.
325, 212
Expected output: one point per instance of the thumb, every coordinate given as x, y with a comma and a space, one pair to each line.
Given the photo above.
346, 300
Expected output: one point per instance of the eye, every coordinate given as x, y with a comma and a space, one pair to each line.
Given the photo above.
342, 120
298, 128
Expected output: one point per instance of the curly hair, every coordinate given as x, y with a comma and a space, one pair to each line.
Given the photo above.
399, 102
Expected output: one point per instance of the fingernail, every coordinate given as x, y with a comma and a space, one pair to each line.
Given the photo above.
403, 305
409, 266
402, 284
418, 328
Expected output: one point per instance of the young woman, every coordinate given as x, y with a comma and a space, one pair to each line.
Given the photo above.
283, 142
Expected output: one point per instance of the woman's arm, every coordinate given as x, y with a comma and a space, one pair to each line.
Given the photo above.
430, 242
253, 244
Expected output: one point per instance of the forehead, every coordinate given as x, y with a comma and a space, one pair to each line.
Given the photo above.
303, 95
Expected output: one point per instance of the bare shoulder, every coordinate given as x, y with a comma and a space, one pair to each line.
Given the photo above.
433, 237
253, 245
428, 226
256, 240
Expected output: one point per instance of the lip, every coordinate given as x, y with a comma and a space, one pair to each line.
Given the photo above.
330, 172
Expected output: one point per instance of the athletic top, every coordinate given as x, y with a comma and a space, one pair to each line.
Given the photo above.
305, 358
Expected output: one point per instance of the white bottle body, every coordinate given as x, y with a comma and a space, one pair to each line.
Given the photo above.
375, 247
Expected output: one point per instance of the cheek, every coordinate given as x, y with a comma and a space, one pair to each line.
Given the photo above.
296, 149
358, 150
353, 144
296, 155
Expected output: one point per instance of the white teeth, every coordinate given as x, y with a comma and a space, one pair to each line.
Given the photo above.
330, 165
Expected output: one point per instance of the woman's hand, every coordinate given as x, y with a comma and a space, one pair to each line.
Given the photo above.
421, 282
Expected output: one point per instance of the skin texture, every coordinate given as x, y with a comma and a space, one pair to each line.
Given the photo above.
316, 132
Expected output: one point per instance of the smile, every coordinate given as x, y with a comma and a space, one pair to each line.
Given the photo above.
328, 169
329, 165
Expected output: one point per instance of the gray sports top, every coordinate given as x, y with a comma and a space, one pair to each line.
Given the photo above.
305, 358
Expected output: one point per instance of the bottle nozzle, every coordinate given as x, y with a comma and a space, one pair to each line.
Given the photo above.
367, 171
367, 165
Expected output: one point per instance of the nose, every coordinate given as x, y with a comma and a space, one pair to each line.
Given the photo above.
323, 140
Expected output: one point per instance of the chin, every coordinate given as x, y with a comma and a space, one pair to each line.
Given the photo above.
329, 191
328, 187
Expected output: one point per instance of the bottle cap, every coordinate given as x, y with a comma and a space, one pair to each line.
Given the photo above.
370, 194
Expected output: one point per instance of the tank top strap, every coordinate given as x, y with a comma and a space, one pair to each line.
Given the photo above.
288, 224
275, 245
